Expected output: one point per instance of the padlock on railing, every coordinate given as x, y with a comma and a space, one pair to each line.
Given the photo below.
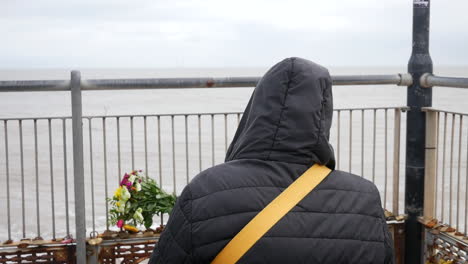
94, 239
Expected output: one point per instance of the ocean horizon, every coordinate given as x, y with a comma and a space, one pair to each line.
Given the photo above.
167, 101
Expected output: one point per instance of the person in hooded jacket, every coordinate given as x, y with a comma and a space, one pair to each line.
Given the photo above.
284, 131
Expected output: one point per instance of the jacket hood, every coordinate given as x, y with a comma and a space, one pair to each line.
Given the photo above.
288, 117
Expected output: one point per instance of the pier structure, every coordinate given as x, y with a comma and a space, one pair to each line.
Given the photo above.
431, 224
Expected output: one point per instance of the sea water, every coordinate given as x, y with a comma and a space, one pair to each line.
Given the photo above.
166, 101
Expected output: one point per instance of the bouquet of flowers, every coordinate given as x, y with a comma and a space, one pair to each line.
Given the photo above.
136, 201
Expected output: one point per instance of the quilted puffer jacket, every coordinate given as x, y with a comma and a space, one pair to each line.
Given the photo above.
283, 132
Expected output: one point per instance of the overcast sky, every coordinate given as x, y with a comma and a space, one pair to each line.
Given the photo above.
218, 33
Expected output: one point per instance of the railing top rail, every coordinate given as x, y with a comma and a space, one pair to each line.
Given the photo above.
431, 109
401, 79
429, 80
183, 83
402, 108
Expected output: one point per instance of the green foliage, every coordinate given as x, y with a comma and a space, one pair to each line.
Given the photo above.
146, 199
154, 201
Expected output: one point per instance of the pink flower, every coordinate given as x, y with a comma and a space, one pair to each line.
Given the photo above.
126, 182
120, 223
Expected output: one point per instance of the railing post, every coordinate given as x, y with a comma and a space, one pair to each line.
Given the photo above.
396, 161
420, 63
430, 164
77, 127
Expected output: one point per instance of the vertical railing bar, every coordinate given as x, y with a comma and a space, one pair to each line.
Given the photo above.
159, 152
430, 165
91, 170
437, 165
80, 209
212, 141
443, 167
350, 140
104, 150
459, 169
36, 163
362, 143
338, 141
199, 144
160, 160
451, 169
374, 145
386, 159
132, 142
396, 160
238, 118
65, 174
173, 154
186, 150
51, 164
23, 209
7, 171
225, 134
466, 188
119, 160
146, 145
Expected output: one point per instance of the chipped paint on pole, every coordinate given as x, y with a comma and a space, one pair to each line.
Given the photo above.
418, 97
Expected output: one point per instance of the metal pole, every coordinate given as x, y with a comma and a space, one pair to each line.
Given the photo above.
419, 63
78, 169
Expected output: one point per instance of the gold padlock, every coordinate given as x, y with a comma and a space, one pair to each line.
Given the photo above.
94, 239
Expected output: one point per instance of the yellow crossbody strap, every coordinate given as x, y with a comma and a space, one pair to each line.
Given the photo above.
271, 214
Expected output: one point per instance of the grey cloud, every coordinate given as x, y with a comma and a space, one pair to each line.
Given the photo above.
117, 33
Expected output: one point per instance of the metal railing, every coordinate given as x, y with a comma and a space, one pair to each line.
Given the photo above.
447, 159
76, 85
428, 80
91, 155
184, 83
170, 148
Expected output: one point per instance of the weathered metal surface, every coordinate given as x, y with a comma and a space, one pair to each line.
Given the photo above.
36, 85
397, 230
429, 109
442, 247
130, 250
417, 97
126, 251
430, 165
78, 169
55, 254
183, 83
429, 80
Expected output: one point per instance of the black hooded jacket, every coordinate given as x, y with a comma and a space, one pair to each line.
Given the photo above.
284, 131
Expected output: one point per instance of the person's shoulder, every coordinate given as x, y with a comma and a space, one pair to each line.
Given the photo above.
352, 182
234, 174
219, 177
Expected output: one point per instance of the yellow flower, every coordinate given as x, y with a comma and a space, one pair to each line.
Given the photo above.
117, 193
117, 203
